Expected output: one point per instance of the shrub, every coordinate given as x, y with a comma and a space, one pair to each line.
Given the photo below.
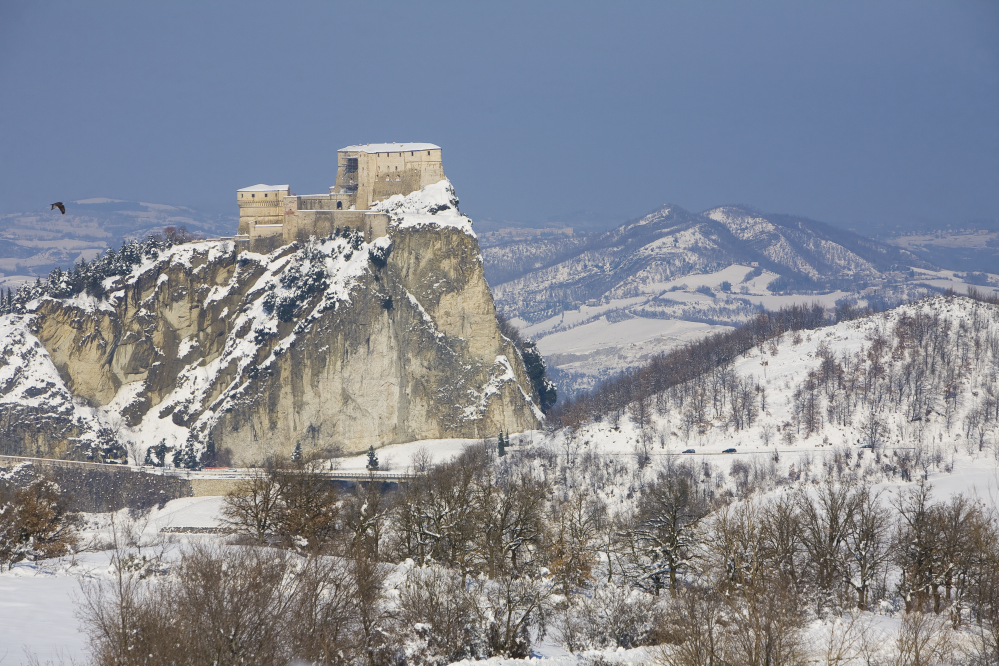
35, 520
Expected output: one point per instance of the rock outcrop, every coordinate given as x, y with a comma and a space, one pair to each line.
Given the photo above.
328, 343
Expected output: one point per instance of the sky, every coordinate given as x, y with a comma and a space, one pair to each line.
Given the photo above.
861, 114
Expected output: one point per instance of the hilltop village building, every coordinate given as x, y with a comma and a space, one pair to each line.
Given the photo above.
271, 216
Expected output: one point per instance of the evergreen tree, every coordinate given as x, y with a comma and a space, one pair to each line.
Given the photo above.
186, 457
372, 459
537, 371
502, 445
208, 457
156, 455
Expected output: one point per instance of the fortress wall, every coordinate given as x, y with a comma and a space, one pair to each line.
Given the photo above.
245, 223
320, 223
376, 225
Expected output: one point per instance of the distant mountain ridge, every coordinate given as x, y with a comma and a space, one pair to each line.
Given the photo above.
33, 243
602, 303
536, 279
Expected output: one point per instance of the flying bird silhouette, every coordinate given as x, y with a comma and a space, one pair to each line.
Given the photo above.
60, 206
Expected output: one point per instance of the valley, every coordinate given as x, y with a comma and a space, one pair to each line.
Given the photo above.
651, 284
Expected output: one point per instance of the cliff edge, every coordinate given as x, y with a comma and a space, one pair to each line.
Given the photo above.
332, 342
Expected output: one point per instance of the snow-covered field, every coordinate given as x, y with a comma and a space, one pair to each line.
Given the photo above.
37, 599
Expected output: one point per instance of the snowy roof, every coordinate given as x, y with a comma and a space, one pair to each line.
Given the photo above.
264, 188
389, 147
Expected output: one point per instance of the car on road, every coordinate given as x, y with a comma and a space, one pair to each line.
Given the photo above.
729, 451
689, 451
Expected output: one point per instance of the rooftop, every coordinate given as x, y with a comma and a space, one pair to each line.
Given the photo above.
264, 188
389, 147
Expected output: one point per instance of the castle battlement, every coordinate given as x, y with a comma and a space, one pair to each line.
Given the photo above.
270, 215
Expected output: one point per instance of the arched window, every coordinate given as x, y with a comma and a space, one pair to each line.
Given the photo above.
339, 205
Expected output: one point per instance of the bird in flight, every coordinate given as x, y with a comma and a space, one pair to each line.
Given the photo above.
60, 206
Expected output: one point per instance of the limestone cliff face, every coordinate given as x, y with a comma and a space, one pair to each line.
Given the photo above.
332, 342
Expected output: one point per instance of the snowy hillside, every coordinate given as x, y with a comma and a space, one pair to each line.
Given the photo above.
915, 389
651, 284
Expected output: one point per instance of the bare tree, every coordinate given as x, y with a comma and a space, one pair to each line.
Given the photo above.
867, 545
827, 515
35, 520
697, 631
295, 504
923, 639
253, 506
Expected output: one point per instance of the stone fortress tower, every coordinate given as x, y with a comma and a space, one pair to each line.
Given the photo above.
271, 216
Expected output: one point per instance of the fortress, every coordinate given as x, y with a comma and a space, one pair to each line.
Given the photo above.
271, 216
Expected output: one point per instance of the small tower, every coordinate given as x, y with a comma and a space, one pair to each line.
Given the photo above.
261, 205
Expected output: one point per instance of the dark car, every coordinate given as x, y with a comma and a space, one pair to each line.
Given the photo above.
729, 451
690, 451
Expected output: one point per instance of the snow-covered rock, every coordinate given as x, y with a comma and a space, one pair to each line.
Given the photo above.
328, 343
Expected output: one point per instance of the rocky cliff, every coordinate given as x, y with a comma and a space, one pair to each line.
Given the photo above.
330, 343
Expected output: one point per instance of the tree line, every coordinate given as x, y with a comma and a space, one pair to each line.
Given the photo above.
483, 556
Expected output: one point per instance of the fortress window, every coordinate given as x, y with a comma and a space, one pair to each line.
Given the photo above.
339, 205
265, 196
253, 195
428, 152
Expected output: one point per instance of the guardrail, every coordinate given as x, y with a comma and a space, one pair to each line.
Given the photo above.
217, 473
55, 462
250, 472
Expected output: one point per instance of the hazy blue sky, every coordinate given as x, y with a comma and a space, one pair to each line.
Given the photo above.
854, 113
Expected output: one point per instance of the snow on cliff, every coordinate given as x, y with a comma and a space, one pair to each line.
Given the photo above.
201, 340
434, 205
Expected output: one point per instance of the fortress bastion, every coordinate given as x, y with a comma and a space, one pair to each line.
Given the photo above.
271, 215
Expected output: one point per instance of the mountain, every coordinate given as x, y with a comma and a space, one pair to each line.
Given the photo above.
606, 302
33, 243
974, 249
331, 343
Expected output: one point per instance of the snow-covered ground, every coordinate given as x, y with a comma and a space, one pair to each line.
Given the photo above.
36, 599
